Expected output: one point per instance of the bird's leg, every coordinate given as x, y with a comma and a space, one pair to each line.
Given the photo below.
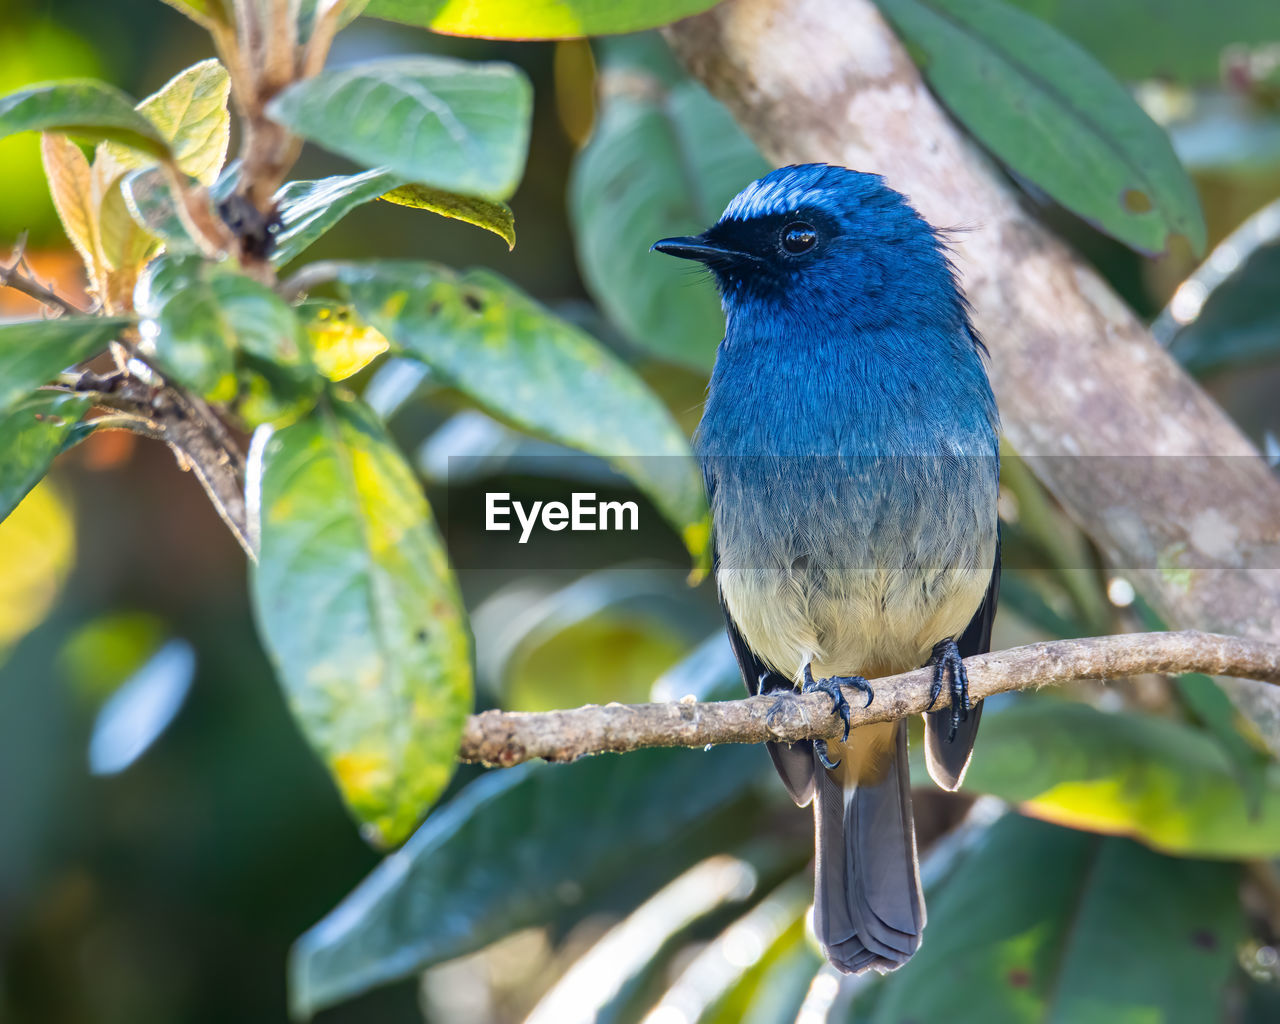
946, 655
831, 686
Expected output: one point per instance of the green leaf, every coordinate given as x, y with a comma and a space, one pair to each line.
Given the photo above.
82, 107
191, 114
360, 613
33, 352
1239, 323
492, 216
150, 202
32, 432
308, 209
511, 850
485, 338
1180, 41
200, 313
1163, 782
1055, 116
1215, 711
1046, 924
519, 19
663, 160
450, 124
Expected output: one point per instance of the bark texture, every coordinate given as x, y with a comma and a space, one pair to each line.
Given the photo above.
1136, 451
510, 737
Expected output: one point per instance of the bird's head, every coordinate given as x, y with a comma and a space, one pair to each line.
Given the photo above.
814, 239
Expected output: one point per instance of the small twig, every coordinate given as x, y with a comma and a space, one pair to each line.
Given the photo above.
508, 738
182, 421
13, 277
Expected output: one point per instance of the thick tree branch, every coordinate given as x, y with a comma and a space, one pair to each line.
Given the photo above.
508, 738
1134, 449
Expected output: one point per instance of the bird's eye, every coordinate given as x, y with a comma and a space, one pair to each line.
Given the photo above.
798, 237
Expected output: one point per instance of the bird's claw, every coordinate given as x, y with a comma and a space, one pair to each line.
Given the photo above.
831, 686
820, 748
946, 655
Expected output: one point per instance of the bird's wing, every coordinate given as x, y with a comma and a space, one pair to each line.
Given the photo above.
794, 761
947, 758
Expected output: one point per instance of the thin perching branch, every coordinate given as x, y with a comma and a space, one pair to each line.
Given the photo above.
507, 738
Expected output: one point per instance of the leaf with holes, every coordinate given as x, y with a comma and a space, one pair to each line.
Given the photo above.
33, 352
32, 432
359, 610
1084, 905
1054, 116
82, 107
484, 337
519, 19
451, 124
341, 343
664, 159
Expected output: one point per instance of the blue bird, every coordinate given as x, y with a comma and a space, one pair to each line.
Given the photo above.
849, 447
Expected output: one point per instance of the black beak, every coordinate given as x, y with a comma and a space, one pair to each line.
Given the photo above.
693, 247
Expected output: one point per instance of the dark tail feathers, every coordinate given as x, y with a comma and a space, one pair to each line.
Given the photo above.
868, 908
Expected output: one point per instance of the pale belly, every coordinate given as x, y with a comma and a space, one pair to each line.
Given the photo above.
857, 568
871, 622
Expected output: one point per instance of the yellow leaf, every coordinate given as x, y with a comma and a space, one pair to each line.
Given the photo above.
126, 245
191, 114
483, 213
37, 548
67, 171
342, 344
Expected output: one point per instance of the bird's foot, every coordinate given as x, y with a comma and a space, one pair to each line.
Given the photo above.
946, 656
820, 748
831, 686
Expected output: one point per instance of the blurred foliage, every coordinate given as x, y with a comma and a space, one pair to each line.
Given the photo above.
664, 159
1095, 937
37, 549
1058, 119
34, 48
173, 887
